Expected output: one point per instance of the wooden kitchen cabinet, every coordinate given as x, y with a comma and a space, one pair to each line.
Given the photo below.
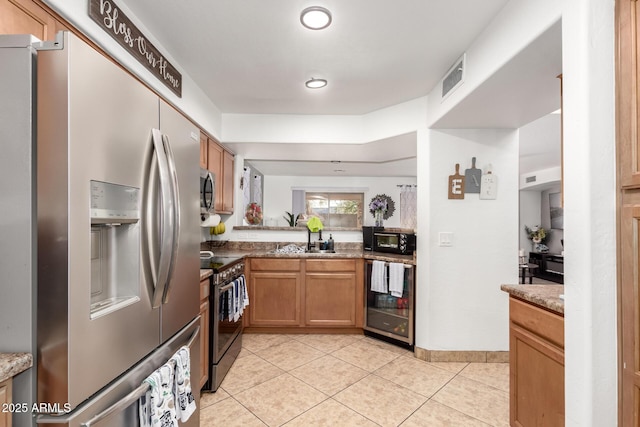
305, 293
628, 210
28, 17
205, 313
204, 150
275, 289
333, 296
220, 163
5, 401
228, 161
536, 363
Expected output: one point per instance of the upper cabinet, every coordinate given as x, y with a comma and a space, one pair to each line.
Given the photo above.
220, 163
203, 151
27, 17
228, 162
627, 79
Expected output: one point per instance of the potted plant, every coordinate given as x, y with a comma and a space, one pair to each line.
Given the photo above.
538, 236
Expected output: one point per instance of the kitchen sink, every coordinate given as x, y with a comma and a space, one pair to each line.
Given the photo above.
320, 251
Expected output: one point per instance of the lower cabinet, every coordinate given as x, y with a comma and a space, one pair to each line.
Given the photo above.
275, 288
536, 361
305, 293
333, 296
204, 330
5, 401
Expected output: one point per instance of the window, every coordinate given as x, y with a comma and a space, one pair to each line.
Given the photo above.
336, 209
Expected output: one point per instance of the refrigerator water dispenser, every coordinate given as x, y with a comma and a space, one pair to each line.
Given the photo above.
115, 247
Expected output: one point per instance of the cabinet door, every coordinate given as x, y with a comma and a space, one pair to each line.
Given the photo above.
204, 331
627, 80
330, 299
204, 149
26, 17
630, 307
536, 363
275, 298
5, 400
227, 183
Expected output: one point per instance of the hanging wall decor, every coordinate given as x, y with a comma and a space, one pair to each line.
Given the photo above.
489, 186
456, 184
472, 177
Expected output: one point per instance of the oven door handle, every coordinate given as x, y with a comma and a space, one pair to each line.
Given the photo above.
226, 287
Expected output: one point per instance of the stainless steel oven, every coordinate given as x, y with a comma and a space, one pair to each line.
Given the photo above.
225, 326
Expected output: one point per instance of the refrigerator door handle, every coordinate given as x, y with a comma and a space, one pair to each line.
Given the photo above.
133, 396
167, 215
173, 179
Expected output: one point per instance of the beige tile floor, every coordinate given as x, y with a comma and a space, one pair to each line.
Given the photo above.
352, 380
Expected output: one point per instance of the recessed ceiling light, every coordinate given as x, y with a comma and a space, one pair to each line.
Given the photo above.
314, 83
315, 18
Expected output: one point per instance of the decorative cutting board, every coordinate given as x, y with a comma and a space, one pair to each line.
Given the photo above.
472, 176
489, 186
456, 184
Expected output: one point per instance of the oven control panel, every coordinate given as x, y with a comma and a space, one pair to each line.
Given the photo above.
229, 273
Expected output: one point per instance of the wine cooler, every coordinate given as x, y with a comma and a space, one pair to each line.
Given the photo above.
387, 315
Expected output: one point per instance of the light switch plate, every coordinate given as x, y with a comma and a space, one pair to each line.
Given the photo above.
445, 238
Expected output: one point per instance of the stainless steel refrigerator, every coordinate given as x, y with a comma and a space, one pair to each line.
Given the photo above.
99, 218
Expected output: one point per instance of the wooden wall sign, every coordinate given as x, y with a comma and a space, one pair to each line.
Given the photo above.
489, 187
456, 184
111, 19
472, 178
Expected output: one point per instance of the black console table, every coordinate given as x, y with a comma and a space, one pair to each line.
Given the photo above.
550, 266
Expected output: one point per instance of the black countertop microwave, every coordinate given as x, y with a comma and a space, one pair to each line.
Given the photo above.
394, 242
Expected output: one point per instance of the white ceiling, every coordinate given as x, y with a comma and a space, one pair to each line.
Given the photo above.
253, 56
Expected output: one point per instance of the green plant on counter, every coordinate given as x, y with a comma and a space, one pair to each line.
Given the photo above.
293, 221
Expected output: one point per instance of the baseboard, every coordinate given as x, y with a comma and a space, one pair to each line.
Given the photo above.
461, 356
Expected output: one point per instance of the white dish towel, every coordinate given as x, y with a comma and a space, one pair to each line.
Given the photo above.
396, 279
185, 402
378, 282
157, 407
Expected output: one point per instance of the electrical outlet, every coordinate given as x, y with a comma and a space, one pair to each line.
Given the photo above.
243, 236
445, 238
253, 235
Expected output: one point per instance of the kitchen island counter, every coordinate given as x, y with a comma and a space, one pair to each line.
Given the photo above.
12, 364
536, 354
545, 296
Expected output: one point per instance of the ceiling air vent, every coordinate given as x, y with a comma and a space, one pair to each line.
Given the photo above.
453, 78
530, 179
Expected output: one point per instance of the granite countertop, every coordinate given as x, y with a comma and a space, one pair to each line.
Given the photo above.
545, 296
339, 253
205, 272
11, 364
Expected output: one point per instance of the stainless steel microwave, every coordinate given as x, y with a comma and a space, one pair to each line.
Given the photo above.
394, 242
207, 191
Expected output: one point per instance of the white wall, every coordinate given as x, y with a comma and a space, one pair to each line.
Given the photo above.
516, 26
277, 200
386, 122
462, 306
589, 213
530, 215
193, 102
543, 176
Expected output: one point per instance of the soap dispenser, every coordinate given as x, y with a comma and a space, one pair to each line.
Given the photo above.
330, 243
